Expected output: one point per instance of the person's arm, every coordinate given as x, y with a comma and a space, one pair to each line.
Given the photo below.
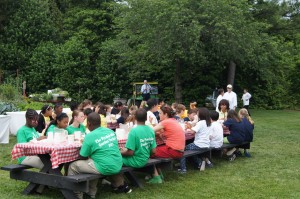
157, 128
235, 102
153, 151
127, 152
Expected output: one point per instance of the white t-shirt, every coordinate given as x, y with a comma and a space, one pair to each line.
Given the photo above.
202, 134
219, 98
231, 97
246, 98
151, 115
216, 135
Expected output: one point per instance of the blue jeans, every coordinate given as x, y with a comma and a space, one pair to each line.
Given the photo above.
196, 159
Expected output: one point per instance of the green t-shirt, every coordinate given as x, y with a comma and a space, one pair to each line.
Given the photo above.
24, 135
51, 128
71, 129
101, 145
141, 140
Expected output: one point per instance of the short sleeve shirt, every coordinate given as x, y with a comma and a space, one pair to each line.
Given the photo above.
24, 135
174, 134
71, 129
101, 146
216, 135
202, 134
141, 140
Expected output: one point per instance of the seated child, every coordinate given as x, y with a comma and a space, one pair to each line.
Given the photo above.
249, 127
141, 142
61, 121
76, 123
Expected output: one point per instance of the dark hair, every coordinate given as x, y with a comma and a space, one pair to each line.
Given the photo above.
220, 90
102, 108
151, 103
87, 111
224, 102
57, 105
204, 115
45, 108
117, 104
214, 115
94, 119
59, 117
73, 106
233, 115
125, 113
166, 109
141, 115
31, 114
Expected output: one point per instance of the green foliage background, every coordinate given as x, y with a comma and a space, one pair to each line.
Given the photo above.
95, 49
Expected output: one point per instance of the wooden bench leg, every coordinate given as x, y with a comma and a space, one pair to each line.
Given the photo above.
133, 179
30, 188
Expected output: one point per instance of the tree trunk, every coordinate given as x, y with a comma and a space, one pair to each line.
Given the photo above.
231, 73
178, 88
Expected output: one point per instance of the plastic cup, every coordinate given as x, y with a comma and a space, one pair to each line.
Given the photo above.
71, 139
77, 135
50, 136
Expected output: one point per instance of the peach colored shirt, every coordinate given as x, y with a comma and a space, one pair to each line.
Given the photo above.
174, 134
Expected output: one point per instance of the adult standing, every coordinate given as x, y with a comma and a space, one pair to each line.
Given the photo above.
246, 99
219, 98
146, 90
99, 154
231, 97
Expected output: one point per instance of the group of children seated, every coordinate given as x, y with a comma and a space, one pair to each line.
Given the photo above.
101, 154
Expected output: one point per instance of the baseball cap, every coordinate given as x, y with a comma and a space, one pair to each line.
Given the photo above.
229, 86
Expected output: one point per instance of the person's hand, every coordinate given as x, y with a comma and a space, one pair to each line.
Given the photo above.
188, 125
42, 137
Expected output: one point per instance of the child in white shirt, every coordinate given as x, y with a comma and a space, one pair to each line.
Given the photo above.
216, 131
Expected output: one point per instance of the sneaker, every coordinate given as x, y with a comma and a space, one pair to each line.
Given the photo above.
123, 189
181, 171
238, 153
247, 154
209, 165
155, 180
232, 157
202, 167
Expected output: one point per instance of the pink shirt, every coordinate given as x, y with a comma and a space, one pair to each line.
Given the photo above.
174, 134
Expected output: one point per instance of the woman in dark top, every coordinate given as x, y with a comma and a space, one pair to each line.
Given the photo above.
45, 117
236, 128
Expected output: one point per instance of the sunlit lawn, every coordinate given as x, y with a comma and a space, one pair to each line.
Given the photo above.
272, 172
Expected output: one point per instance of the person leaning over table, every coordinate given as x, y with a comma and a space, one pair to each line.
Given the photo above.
101, 109
61, 121
99, 154
44, 118
27, 133
140, 143
175, 139
152, 107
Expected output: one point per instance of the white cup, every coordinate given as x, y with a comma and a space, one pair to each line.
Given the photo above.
50, 136
71, 139
77, 135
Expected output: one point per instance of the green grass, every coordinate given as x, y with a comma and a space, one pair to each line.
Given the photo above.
272, 172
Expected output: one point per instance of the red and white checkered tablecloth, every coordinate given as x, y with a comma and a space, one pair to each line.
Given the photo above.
59, 153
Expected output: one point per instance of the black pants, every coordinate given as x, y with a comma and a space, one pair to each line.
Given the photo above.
146, 96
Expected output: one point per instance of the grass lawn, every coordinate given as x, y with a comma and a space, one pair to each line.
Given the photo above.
272, 172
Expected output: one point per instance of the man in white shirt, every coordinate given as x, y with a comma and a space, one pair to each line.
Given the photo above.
246, 99
231, 97
145, 90
219, 98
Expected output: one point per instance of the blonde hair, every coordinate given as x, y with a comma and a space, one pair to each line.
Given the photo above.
244, 114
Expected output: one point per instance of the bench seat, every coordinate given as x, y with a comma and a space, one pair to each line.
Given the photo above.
15, 167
